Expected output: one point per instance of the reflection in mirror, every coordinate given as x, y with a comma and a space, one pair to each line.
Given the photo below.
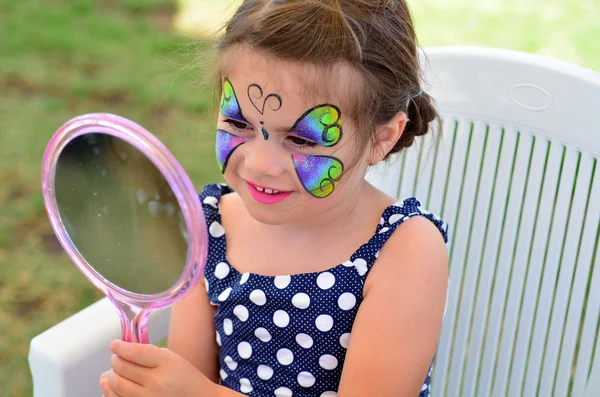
120, 213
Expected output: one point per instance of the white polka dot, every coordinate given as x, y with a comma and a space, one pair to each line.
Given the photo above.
346, 301
262, 334
241, 312
381, 221
224, 295
283, 392
221, 270
228, 326
329, 394
285, 356
395, 218
345, 340
210, 200
324, 322
231, 363
258, 297
282, 281
384, 229
223, 374
216, 230
325, 280
304, 340
206, 284
361, 266
264, 372
244, 278
301, 300
424, 387
246, 386
329, 362
281, 318
377, 254
244, 350
218, 339
306, 379
348, 263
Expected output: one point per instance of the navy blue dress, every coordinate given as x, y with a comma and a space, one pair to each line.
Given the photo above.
287, 335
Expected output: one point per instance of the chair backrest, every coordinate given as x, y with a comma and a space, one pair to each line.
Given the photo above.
516, 174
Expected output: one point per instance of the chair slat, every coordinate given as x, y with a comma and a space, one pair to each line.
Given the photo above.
511, 182
426, 164
517, 272
448, 213
481, 202
458, 253
442, 165
589, 333
504, 144
538, 339
582, 270
410, 170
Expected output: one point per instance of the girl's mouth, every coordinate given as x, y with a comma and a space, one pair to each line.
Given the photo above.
265, 195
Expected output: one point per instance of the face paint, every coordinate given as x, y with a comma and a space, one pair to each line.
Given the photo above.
230, 107
319, 174
226, 144
321, 124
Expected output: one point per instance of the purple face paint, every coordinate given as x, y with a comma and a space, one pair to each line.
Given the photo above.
226, 144
321, 124
319, 174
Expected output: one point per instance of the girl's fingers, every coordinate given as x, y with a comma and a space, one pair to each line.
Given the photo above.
128, 370
120, 387
142, 354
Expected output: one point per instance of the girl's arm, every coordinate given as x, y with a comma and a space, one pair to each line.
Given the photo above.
192, 332
397, 327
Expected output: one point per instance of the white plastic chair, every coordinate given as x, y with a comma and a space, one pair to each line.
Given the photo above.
516, 174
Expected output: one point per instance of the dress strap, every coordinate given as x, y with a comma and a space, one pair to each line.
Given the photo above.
392, 217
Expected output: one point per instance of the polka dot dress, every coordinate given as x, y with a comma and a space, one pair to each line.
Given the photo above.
287, 335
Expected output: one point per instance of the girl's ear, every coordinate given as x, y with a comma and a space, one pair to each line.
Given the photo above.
387, 136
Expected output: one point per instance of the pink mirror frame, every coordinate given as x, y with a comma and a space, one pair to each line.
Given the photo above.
133, 309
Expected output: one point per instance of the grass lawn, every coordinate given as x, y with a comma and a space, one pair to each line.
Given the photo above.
61, 58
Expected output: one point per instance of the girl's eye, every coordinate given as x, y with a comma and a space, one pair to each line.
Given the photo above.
237, 124
296, 140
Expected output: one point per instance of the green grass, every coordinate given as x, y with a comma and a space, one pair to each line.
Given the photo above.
59, 59
62, 58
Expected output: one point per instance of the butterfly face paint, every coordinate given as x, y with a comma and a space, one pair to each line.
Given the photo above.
227, 143
319, 174
321, 124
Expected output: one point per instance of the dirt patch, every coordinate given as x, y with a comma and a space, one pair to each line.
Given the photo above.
163, 18
18, 84
51, 243
26, 306
111, 97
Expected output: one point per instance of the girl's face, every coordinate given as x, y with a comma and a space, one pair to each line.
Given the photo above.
284, 151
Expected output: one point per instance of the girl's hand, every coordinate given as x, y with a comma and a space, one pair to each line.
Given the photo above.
140, 370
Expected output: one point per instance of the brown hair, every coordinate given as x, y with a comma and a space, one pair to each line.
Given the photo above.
374, 37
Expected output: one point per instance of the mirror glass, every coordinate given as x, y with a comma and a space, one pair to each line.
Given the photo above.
121, 213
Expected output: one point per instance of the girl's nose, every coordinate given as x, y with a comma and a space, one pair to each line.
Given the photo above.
265, 158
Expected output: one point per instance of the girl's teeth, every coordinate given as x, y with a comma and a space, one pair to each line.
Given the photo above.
268, 191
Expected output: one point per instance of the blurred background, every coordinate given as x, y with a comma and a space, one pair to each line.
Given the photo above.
145, 60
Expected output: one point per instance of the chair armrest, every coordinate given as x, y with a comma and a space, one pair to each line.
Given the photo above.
68, 359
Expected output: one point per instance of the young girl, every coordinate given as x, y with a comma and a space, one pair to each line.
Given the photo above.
316, 284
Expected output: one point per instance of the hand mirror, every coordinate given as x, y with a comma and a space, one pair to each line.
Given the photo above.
126, 214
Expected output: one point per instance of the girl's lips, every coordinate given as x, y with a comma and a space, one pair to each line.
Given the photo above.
266, 198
